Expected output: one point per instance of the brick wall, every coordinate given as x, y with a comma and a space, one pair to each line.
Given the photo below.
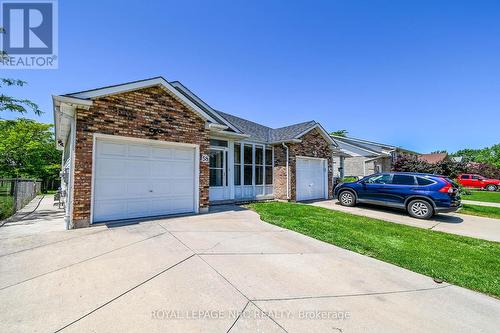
131, 114
313, 145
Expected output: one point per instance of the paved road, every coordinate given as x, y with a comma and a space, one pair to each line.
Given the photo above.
453, 223
196, 274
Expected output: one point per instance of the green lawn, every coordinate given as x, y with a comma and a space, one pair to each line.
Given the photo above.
484, 211
464, 261
483, 196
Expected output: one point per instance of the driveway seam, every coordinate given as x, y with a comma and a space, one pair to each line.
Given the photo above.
82, 261
124, 293
434, 225
229, 282
237, 318
348, 295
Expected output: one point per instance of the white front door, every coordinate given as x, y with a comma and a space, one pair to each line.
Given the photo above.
138, 179
219, 182
311, 178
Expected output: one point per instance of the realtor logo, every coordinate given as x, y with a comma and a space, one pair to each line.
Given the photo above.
29, 38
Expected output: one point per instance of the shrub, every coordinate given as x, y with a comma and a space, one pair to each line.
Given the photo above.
6, 207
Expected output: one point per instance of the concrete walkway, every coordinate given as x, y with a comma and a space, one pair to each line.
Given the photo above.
226, 271
453, 223
481, 203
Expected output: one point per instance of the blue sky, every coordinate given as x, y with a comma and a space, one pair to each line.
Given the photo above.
420, 74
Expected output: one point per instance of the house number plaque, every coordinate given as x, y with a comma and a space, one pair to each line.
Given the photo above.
204, 158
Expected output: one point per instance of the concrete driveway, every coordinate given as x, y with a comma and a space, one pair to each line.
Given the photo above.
452, 223
218, 272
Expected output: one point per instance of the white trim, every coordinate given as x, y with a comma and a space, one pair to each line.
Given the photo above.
126, 87
72, 171
72, 100
361, 148
118, 138
365, 141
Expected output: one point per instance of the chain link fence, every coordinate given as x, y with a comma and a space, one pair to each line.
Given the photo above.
16, 193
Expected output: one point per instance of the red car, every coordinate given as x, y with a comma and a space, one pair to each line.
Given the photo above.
478, 181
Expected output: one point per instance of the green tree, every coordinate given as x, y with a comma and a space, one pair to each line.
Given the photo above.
9, 103
488, 155
341, 132
28, 149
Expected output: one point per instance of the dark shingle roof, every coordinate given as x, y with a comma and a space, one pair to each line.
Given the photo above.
290, 132
266, 134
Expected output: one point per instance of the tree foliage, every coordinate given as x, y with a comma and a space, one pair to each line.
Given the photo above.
341, 132
448, 167
411, 163
9, 103
488, 155
28, 149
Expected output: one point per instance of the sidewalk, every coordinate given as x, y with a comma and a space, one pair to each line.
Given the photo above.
481, 203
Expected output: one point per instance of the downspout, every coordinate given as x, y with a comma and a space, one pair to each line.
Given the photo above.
287, 175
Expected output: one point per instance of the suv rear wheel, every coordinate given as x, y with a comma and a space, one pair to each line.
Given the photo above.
347, 198
491, 187
420, 209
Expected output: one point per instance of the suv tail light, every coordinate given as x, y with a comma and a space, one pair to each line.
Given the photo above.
448, 188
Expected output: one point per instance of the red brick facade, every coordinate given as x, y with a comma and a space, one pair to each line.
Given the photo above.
313, 145
132, 114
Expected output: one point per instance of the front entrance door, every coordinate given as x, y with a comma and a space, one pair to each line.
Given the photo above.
219, 185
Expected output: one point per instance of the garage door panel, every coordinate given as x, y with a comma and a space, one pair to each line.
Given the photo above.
138, 180
182, 154
112, 149
111, 188
161, 169
181, 169
109, 210
139, 151
311, 177
137, 189
109, 168
137, 169
138, 208
161, 153
182, 186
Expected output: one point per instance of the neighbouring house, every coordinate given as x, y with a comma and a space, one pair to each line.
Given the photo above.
433, 158
153, 148
362, 157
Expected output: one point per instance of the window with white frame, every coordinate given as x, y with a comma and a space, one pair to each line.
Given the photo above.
247, 164
259, 165
269, 166
237, 164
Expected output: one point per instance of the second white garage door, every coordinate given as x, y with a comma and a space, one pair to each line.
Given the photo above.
135, 180
311, 178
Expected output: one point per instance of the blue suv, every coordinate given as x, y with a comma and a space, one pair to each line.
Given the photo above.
421, 195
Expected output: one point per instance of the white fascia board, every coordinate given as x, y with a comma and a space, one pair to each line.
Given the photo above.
382, 145
57, 100
286, 141
159, 81
228, 134
372, 152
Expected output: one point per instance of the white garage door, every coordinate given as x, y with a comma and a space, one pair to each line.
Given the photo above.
137, 180
311, 178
